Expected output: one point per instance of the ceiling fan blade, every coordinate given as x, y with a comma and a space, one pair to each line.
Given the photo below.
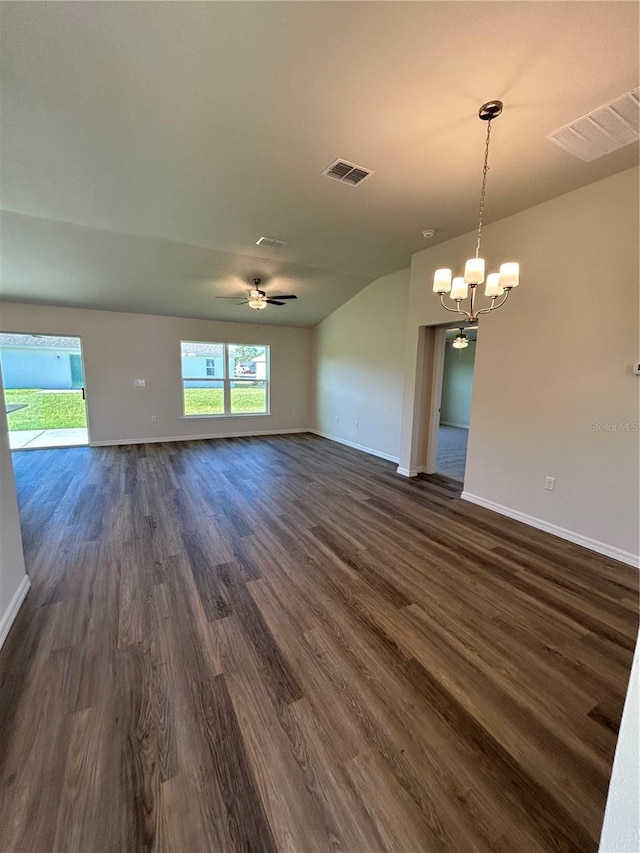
228, 297
273, 302
285, 296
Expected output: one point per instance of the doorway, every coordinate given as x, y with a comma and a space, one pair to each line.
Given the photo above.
458, 363
44, 390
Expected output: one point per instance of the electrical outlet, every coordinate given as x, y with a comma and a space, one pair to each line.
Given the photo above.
357, 424
293, 413
139, 383
154, 419
337, 419
550, 483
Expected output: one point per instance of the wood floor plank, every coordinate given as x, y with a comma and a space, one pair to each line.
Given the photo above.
558, 829
277, 673
246, 820
328, 780
80, 817
296, 822
377, 687
396, 818
213, 594
185, 819
569, 777
324, 696
278, 644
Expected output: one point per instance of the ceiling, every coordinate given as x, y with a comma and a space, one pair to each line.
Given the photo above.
146, 147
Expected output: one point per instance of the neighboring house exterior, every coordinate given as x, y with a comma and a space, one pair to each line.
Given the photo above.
33, 361
260, 362
202, 362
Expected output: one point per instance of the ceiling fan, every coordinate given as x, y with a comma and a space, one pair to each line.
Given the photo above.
258, 298
461, 341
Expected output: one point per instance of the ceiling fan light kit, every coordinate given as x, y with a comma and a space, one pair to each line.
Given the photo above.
498, 285
258, 299
461, 341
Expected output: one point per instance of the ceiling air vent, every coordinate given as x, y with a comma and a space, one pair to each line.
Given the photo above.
348, 173
603, 130
272, 243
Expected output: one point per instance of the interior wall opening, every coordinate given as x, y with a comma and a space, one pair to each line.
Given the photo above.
458, 363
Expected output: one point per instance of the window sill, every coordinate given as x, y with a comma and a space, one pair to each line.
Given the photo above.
235, 415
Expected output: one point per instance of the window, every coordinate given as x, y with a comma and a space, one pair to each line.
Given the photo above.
224, 379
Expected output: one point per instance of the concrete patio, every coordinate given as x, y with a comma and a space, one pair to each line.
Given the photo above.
30, 439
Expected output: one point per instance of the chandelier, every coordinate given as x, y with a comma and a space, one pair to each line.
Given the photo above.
499, 284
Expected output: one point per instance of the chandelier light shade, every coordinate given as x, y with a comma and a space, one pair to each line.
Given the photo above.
498, 284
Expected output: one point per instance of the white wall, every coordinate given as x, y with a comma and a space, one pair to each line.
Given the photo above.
14, 583
552, 363
621, 830
358, 361
119, 348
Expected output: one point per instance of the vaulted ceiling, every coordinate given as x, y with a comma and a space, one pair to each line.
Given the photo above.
147, 146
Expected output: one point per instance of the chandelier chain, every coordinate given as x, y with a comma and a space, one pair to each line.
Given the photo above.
484, 188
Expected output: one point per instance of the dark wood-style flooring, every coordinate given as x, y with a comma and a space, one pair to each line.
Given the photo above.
278, 644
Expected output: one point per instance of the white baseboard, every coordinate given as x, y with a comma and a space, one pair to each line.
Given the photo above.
115, 442
369, 450
12, 610
452, 424
562, 532
411, 472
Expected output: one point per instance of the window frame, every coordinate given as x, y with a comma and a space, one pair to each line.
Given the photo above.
226, 379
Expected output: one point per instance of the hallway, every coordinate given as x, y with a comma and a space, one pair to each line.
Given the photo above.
452, 452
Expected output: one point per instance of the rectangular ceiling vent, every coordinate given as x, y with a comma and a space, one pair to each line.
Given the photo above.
348, 173
272, 243
603, 130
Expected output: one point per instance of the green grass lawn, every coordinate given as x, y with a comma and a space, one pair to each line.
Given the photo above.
45, 410
208, 401
66, 410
